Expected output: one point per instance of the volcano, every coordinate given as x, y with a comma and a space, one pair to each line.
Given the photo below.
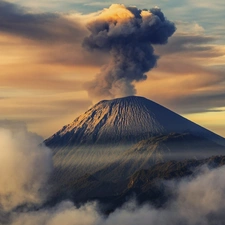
125, 120
116, 138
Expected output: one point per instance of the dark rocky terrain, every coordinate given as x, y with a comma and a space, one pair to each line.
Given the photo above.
145, 185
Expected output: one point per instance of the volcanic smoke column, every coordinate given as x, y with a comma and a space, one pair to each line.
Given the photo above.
127, 34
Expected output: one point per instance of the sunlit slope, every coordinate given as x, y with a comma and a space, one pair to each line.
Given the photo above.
125, 121
118, 137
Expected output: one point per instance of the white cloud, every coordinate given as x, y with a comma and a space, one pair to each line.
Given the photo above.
24, 166
192, 28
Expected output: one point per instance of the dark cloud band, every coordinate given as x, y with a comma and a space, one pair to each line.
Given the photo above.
46, 27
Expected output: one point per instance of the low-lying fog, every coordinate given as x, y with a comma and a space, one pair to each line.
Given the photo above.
25, 167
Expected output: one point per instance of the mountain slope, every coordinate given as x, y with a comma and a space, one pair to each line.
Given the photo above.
99, 154
159, 149
146, 185
125, 121
176, 146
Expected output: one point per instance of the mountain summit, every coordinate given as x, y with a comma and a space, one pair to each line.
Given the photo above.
125, 120
115, 138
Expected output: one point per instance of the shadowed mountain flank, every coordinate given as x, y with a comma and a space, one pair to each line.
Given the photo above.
146, 185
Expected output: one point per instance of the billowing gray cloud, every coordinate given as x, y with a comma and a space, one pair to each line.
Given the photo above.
47, 27
127, 34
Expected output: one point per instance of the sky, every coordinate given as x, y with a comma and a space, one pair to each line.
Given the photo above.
45, 68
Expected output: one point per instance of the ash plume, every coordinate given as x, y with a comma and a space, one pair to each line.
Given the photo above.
127, 35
